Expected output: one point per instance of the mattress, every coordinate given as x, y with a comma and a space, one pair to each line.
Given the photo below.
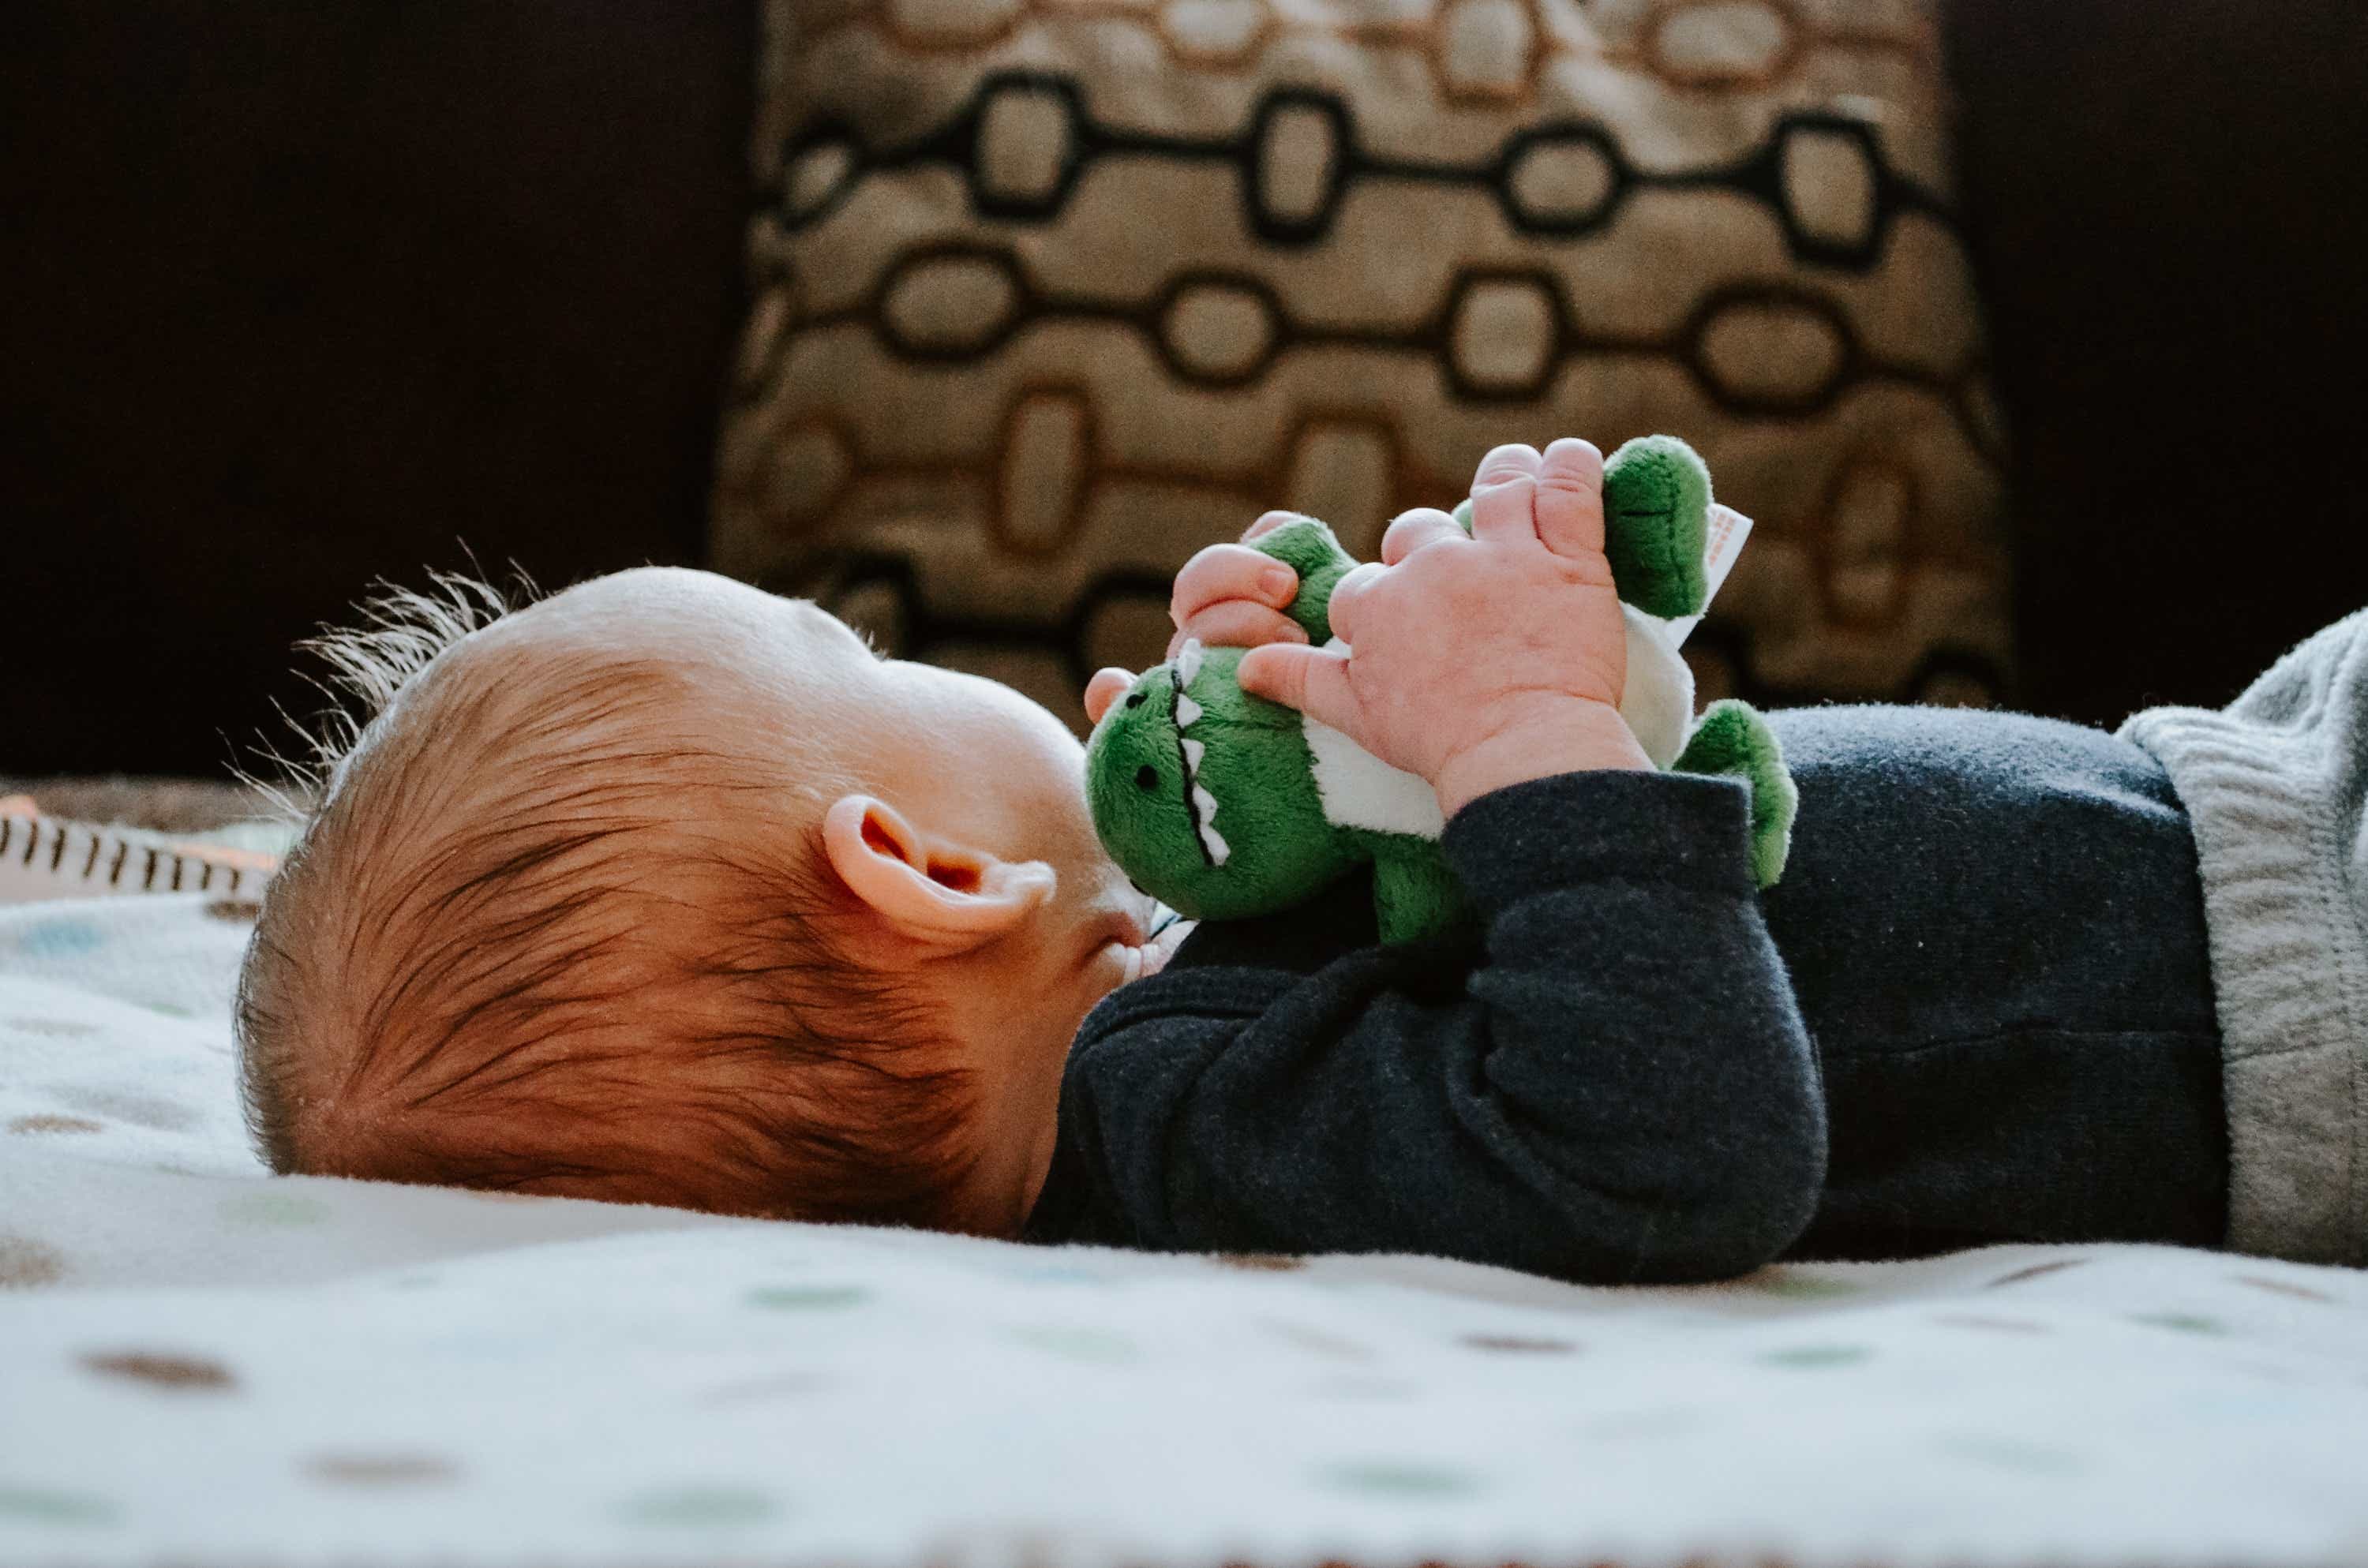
202, 1364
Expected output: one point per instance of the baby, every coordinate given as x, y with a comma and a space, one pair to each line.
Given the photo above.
665, 889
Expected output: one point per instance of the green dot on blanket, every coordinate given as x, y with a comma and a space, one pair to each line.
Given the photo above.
1392, 1478
274, 1209
1809, 1356
704, 1506
1077, 1344
2012, 1453
35, 1506
805, 1298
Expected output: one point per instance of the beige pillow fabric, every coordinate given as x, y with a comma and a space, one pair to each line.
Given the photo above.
1051, 293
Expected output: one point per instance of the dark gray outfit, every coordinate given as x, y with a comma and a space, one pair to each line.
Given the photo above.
1979, 1007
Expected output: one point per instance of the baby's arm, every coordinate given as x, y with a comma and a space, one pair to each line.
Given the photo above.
1615, 1087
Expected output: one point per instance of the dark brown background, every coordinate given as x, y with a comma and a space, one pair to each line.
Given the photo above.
2168, 201
299, 296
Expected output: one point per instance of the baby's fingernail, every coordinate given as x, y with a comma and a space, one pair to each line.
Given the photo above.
1278, 581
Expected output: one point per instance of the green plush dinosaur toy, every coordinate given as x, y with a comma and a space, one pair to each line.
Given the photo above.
1224, 805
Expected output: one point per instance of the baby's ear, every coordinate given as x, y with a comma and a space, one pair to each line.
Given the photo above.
923, 887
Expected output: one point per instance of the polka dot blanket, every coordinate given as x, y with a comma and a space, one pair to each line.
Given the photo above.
200, 1365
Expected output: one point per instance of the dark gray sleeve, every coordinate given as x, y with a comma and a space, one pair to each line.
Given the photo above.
1612, 1083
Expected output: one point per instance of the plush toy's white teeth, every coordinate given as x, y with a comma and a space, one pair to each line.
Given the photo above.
1205, 814
1204, 805
1187, 712
1188, 663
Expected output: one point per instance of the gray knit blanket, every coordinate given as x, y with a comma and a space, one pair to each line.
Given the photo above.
2274, 783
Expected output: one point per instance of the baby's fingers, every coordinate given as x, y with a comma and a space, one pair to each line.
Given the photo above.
1226, 572
1514, 460
1349, 596
1570, 500
1411, 530
1107, 687
1236, 623
1313, 680
1506, 513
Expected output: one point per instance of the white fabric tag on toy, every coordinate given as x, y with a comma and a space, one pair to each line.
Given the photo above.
1729, 530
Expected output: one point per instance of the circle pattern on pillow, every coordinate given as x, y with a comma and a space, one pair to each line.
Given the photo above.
1051, 293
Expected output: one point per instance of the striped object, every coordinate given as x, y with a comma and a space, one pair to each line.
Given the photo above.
49, 857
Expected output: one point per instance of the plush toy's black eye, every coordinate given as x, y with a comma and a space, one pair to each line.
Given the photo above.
1134, 698
1146, 778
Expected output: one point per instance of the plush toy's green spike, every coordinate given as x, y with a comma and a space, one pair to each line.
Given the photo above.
1731, 737
1224, 806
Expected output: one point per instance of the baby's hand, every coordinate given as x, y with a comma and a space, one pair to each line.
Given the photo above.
1228, 596
1483, 661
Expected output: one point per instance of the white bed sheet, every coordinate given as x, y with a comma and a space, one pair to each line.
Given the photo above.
203, 1364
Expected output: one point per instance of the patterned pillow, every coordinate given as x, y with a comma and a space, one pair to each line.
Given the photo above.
1050, 293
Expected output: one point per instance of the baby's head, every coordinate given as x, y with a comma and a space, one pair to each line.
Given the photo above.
667, 890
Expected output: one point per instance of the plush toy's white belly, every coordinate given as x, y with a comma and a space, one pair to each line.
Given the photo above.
1359, 789
1658, 700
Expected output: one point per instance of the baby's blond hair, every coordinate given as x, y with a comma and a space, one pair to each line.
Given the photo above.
517, 946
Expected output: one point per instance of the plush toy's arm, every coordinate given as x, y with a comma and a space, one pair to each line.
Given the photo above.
1656, 525
1733, 738
1308, 547
1415, 895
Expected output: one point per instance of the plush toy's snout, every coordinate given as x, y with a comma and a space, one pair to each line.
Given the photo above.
1201, 792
